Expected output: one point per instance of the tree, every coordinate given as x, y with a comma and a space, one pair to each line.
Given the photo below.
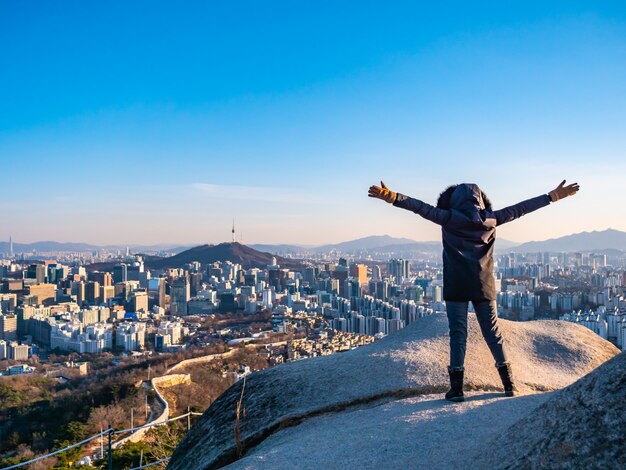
164, 439
107, 416
129, 454
76, 431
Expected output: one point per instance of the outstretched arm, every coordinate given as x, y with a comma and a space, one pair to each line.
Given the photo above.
522, 208
434, 214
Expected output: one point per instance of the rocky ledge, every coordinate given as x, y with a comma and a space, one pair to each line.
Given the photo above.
546, 356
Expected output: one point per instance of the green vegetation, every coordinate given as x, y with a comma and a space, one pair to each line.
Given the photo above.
39, 414
158, 443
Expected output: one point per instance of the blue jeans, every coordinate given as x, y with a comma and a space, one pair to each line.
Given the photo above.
487, 316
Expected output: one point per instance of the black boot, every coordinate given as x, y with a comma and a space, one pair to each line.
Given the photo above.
507, 379
456, 385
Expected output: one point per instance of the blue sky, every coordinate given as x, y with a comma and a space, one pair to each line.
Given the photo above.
153, 122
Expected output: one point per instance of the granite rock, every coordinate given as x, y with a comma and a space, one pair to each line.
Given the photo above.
546, 355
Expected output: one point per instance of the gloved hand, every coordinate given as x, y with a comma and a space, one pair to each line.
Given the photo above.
562, 191
383, 193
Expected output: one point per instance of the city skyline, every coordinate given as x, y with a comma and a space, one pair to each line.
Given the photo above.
143, 124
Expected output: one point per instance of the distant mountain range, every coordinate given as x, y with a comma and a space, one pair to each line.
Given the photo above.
360, 244
46, 246
583, 241
366, 243
609, 239
280, 249
376, 243
51, 246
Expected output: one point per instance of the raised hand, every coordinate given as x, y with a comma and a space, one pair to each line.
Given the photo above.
562, 191
382, 192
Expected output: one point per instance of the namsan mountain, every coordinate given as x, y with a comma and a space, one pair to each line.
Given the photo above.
236, 252
381, 405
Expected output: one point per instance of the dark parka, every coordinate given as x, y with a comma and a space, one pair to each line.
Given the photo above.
469, 232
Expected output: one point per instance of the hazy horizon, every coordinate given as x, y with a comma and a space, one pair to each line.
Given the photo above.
140, 122
303, 245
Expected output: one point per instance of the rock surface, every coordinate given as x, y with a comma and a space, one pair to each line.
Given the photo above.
546, 355
581, 426
418, 433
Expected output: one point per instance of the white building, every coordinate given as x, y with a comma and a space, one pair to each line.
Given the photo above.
609, 324
94, 315
171, 332
98, 337
63, 335
17, 352
130, 336
72, 336
268, 298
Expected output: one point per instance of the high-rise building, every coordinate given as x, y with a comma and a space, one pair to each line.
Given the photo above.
24, 313
138, 301
40, 329
42, 293
179, 296
12, 285
354, 288
130, 336
340, 324
79, 288
359, 271
106, 293
172, 332
376, 325
195, 284
92, 292
97, 338
8, 302
394, 325
102, 278
37, 272
357, 323
8, 327
156, 292
399, 269
94, 315
17, 352
71, 336
379, 289
134, 269
309, 275
227, 302
55, 273
120, 273
341, 275
80, 272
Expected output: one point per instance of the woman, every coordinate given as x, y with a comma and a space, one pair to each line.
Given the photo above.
468, 226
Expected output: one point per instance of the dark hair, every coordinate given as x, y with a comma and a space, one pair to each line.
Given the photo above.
443, 202
486, 201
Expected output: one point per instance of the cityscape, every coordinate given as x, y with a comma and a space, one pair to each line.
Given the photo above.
68, 306
64, 313
262, 235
